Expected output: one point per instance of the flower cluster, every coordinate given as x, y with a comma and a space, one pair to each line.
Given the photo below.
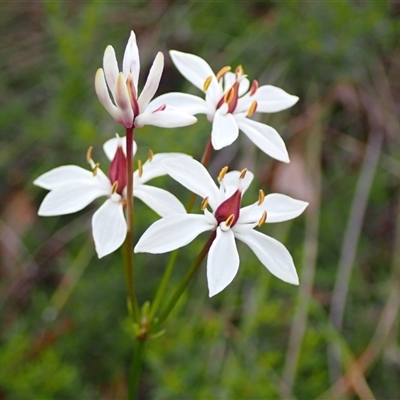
231, 99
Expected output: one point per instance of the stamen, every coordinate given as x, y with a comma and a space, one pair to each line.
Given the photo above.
222, 72
261, 197
239, 70
243, 173
114, 187
262, 220
151, 155
204, 203
207, 83
222, 173
253, 88
252, 109
229, 220
89, 154
229, 95
95, 168
140, 168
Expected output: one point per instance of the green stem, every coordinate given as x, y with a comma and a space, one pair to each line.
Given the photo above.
129, 217
205, 159
181, 288
136, 369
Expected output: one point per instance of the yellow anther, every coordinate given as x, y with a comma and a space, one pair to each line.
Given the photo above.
151, 155
239, 70
229, 95
114, 187
207, 83
89, 154
95, 168
222, 173
243, 173
252, 109
261, 197
204, 203
140, 168
222, 72
229, 220
263, 218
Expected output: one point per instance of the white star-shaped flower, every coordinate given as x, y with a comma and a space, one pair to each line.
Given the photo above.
126, 107
229, 100
72, 188
227, 220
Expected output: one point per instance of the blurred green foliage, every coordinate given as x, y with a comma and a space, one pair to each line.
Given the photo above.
64, 331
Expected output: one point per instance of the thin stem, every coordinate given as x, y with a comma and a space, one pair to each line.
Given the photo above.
136, 369
205, 159
181, 288
129, 217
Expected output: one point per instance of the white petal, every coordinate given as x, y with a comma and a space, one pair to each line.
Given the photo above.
278, 207
155, 167
109, 227
194, 176
64, 175
222, 262
168, 118
110, 147
224, 130
229, 80
232, 182
104, 97
110, 66
265, 137
269, 99
152, 82
131, 62
193, 68
273, 254
184, 102
243, 86
123, 101
172, 232
161, 201
70, 198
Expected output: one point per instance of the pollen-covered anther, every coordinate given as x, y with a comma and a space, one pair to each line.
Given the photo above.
151, 155
89, 154
229, 221
204, 203
140, 168
239, 70
252, 109
229, 95
222, 173
207, 83
222, 72
243, 173
95, 168
114, 187
263, 218
253, 88
261, 197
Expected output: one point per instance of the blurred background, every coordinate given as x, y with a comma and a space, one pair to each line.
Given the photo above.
64, 331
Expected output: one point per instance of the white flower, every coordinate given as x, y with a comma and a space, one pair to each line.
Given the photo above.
229, 222
72, 188
229, 101
126, 107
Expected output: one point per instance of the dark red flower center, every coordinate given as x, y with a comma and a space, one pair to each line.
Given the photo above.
118, 170
230, 206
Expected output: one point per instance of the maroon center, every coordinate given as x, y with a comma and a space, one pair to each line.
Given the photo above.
118, 170
229, 207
